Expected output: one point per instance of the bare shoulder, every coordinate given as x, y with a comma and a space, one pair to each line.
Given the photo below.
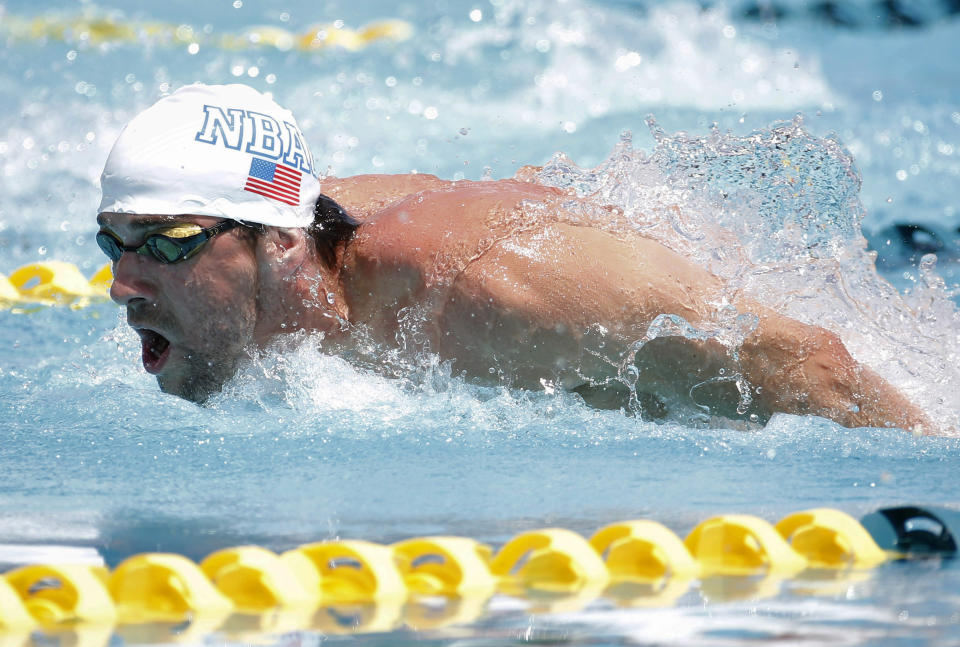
449, 223
413, 248
363, 196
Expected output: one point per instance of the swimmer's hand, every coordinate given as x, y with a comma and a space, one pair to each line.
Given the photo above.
806, 369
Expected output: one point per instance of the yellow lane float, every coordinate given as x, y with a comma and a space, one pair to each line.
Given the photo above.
643, 550
740, 544
53, 283
451, 566
63, 594
257, 580
830, 539
354, 571
553, 560
163, 587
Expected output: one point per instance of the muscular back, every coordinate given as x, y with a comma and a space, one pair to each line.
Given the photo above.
507, 283
505, 279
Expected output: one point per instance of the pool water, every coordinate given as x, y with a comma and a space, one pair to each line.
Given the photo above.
801, 153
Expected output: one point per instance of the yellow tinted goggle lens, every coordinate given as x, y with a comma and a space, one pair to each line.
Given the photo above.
180, 231
169, 249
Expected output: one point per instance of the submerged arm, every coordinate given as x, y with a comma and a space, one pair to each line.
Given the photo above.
546, 290
806, 369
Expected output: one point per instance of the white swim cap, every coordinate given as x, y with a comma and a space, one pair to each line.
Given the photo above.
213, 150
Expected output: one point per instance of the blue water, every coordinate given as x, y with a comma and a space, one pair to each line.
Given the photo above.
302, 446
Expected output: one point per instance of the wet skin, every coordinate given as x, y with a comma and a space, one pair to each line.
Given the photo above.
504, 277
195, 318
510, 277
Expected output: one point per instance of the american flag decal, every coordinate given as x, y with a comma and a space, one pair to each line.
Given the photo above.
274, 181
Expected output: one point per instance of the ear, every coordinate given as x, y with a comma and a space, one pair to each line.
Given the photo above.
282, 251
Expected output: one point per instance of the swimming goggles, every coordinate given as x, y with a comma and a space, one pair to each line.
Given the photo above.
167, 247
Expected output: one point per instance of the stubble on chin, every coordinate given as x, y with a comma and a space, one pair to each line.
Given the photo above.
203, 377
222, 339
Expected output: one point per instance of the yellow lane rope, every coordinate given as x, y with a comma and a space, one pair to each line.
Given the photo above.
381, 587
108, 29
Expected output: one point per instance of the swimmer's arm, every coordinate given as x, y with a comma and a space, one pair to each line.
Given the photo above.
362, 196
583, 277
805, 369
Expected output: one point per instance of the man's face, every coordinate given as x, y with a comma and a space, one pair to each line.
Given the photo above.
195, 318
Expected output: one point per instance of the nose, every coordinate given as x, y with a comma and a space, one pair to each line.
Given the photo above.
131, 280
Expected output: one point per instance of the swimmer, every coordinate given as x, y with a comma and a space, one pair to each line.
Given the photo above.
223, 241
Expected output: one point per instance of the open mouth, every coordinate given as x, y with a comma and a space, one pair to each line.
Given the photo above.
155, 349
